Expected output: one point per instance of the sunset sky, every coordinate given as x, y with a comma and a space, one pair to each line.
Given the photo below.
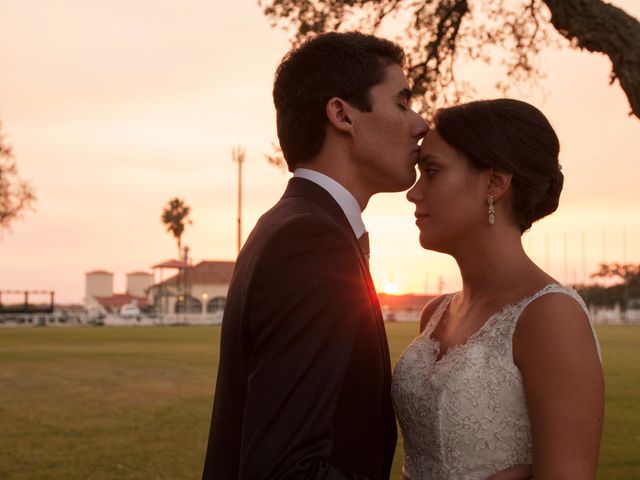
113, 108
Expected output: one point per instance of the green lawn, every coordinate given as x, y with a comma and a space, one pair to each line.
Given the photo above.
134, 403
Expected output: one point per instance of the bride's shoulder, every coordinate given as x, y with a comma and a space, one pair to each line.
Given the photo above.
429, 309
553, 307
553, 322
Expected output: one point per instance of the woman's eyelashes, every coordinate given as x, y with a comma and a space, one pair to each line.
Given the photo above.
430, 171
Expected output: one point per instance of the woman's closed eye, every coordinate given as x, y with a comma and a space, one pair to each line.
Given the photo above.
430, 171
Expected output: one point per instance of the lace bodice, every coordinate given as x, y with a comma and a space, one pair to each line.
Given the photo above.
464, 416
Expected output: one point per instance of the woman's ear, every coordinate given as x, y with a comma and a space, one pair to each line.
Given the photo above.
498, 183
339, 114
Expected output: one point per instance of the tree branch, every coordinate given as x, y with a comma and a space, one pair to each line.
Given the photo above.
599, 27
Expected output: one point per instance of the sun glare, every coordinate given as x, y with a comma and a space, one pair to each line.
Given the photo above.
390, 287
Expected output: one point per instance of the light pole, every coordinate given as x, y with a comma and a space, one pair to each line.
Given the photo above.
237, 154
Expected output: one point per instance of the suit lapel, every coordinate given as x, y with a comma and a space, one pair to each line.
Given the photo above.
301, 187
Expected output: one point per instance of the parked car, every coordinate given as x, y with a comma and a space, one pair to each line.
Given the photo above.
96, 315
130, 311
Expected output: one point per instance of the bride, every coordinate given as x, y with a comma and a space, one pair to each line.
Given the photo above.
506, 372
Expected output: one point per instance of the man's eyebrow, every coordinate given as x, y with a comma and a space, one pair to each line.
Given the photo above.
405, 93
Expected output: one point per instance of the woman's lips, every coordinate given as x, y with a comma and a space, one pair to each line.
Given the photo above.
420, 217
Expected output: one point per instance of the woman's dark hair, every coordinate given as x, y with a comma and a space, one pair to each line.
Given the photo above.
514, 137
344, 65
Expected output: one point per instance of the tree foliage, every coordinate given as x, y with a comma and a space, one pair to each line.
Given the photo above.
438, 33
174, 216
626, 289
627, 273
16, 195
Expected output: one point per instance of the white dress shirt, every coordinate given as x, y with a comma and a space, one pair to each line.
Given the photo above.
341, 195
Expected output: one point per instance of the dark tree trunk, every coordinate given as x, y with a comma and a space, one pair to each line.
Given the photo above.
600, 27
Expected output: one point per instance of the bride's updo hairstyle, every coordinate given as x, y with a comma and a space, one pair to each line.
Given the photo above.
513, 137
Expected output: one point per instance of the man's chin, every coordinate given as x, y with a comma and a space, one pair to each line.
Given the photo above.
396, 184
407, 183
400, 184
395, 189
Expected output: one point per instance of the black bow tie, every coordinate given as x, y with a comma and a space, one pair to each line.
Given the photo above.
364, 244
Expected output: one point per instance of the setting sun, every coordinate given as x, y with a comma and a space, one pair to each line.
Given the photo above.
390, 287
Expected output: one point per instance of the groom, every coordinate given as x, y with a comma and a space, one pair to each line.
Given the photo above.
303, 386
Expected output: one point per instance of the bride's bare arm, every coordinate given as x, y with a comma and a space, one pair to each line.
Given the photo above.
564, 388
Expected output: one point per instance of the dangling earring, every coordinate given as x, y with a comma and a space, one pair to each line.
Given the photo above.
492, 210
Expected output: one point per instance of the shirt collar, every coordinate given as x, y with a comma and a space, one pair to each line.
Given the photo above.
341, 195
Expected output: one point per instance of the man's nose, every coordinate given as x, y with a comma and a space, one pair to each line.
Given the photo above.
419, 128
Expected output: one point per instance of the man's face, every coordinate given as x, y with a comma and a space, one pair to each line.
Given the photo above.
386, 139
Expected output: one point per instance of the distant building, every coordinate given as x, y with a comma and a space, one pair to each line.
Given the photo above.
98, 283
138, 283
198, 289
99, 290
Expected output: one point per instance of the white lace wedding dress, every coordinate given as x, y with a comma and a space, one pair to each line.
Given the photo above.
465, 416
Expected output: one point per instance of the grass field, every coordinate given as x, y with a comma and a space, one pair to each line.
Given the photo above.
134, 403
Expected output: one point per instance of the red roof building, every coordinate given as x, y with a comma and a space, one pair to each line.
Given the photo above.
206, 272
198, 289
114, 302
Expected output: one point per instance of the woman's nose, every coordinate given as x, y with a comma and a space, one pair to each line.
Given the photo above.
414, 195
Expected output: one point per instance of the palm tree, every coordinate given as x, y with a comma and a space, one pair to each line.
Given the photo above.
174, 216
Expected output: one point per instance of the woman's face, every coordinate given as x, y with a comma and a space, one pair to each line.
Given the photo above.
450, 196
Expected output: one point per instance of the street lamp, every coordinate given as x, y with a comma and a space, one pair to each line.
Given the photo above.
204, 296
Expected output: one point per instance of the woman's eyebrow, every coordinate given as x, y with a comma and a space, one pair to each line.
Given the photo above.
429, 157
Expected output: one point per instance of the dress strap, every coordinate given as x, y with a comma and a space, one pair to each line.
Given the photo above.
556, 288
437, 314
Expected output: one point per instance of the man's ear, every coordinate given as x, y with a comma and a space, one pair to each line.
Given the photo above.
339, 114
498, 183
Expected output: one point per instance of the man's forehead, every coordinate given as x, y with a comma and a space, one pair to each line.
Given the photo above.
395, 80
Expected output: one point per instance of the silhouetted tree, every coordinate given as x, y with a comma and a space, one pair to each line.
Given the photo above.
620, 293
174, 216
439, 32
16, 195
628, 273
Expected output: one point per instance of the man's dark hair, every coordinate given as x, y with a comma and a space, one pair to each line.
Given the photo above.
514, 137
344, 65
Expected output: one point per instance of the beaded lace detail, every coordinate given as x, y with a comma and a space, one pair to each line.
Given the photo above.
464, 416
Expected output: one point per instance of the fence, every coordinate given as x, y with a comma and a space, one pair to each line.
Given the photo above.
614, 316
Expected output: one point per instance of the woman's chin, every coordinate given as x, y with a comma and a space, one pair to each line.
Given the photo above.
429, 243
426, 242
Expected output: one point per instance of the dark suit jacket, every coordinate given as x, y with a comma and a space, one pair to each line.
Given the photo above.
303, 387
